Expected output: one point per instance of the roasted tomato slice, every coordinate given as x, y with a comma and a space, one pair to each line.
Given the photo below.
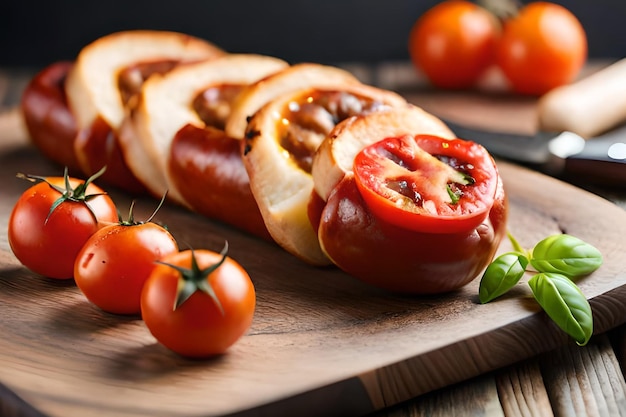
427, 183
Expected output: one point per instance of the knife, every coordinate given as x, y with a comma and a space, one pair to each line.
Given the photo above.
582, 131
601, 159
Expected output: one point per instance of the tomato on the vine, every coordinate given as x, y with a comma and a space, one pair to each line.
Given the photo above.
52, 220
427, 183
542, 47
116, 261
454, 43
198, 303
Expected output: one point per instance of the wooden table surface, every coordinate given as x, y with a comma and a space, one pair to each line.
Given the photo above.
573, 380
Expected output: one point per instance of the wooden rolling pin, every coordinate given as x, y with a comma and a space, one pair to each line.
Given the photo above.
587, 107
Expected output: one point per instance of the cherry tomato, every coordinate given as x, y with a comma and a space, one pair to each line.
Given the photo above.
427, 183
541, 48
115, 262
198, 303
53, 219
454, 43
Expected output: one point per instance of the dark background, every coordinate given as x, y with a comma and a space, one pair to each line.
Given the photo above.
35, 33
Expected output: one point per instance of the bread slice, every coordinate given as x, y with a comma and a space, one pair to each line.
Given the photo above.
296, 77
336, 153
93, 85
166, 104
280, 181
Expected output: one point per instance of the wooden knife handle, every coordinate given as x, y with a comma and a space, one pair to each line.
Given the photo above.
587, 107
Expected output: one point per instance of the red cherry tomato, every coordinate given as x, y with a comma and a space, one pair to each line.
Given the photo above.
454, 43
48, 226
116, 261
541, 48
198, 311
427, 183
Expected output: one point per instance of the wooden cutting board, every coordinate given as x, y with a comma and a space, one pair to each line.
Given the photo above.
321, 342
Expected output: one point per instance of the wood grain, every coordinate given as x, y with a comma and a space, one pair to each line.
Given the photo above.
522, 391
567, 381
478, 398
321, 342
585, 381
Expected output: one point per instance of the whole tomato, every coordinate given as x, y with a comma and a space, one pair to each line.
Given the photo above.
198, 303
115, 262
454, 43
542, 47
53, 219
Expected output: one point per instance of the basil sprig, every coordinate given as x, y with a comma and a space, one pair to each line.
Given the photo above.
557, 260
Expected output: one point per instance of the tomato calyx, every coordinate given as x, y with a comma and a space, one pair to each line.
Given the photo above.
195, 279
77, 194
502, 9
131, 216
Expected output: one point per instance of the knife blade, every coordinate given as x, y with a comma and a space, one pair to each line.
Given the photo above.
601, 159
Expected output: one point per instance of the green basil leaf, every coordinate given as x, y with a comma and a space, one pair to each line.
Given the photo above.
501, 275
565, 304
567, 255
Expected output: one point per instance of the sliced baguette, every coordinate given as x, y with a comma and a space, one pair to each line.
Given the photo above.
92, 86
281, 187
297, 77
165, 105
